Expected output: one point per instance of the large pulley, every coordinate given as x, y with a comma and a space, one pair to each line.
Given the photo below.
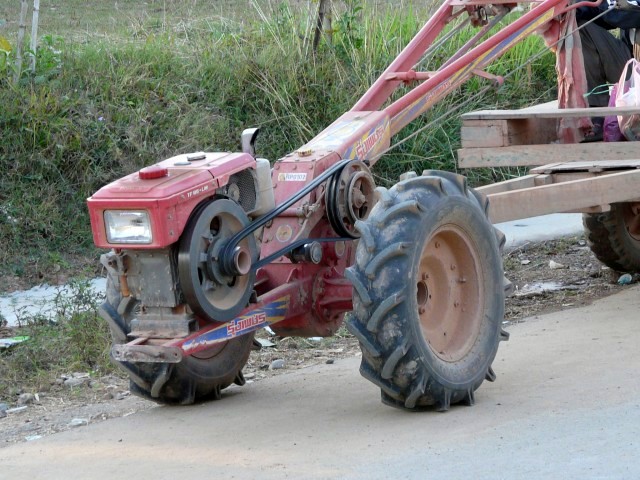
208, 289
349, 197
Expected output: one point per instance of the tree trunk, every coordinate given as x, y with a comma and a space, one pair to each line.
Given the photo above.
19, 47
34, 34
323, 23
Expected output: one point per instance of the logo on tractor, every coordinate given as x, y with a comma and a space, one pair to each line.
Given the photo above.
197, 191
292, 177
267, 315
240, 325
364, 147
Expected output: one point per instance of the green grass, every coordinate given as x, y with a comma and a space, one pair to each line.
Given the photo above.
118, 88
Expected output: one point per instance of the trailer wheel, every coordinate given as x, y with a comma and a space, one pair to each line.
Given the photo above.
614, 236
195, 378
428, 292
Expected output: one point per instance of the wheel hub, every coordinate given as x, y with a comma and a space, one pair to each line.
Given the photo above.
632, 220
350, 196
449, 293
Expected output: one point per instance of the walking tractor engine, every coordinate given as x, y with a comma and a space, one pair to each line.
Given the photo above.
206, 248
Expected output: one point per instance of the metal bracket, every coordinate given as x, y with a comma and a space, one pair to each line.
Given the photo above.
146, 353
496, 79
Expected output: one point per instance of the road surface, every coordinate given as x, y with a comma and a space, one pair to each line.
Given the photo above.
566, 405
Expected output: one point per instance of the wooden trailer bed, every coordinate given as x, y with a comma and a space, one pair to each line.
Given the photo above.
580, 177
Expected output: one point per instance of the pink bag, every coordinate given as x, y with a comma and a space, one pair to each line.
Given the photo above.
611, 131
628, 95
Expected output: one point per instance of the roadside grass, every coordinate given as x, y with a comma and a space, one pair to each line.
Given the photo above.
119, 88
70, 339
99, 109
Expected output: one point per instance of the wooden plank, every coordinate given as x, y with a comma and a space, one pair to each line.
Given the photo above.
484, 134
549, 111
503, 133
536, 155
509, 185
518, 183
595, 166
564, 196
596, 209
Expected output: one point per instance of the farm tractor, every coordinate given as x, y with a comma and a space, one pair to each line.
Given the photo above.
206, 248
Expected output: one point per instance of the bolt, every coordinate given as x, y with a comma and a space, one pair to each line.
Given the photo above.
453, 267
421, 310
425, 276
437, 244
456, 304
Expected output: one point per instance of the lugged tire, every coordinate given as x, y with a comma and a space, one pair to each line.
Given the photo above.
428, 265
614, 237
194, 378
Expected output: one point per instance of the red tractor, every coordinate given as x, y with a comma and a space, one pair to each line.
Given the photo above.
206, 248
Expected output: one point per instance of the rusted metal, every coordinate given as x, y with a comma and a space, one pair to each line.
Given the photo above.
162, 323
131, 352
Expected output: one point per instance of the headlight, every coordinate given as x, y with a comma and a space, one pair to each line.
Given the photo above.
127, 226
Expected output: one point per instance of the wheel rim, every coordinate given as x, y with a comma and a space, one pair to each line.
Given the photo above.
449, 293
631, 217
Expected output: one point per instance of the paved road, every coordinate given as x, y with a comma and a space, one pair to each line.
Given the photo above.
538, 229
566, 405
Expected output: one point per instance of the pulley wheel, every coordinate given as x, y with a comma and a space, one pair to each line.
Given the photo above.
349, 197
210, 292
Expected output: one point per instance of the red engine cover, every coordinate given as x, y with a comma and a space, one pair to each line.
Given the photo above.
168, 191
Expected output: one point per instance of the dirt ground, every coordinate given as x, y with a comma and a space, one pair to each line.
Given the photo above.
548, 276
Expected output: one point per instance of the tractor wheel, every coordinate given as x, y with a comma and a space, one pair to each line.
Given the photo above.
614, 236
195, 378
428, 292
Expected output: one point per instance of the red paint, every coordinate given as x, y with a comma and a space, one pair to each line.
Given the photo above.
153, 172
168, 199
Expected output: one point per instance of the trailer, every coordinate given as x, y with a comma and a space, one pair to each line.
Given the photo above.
599, 180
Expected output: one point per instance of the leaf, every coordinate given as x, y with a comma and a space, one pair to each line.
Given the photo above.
5, 46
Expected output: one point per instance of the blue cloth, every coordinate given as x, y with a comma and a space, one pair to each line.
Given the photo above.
616, 18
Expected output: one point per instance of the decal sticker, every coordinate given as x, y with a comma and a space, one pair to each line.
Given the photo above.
284, 233
334, 136
261, 317
245, 324
292, 177
366, 145
197, 191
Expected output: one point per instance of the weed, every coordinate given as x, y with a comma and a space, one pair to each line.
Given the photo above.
71, 338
